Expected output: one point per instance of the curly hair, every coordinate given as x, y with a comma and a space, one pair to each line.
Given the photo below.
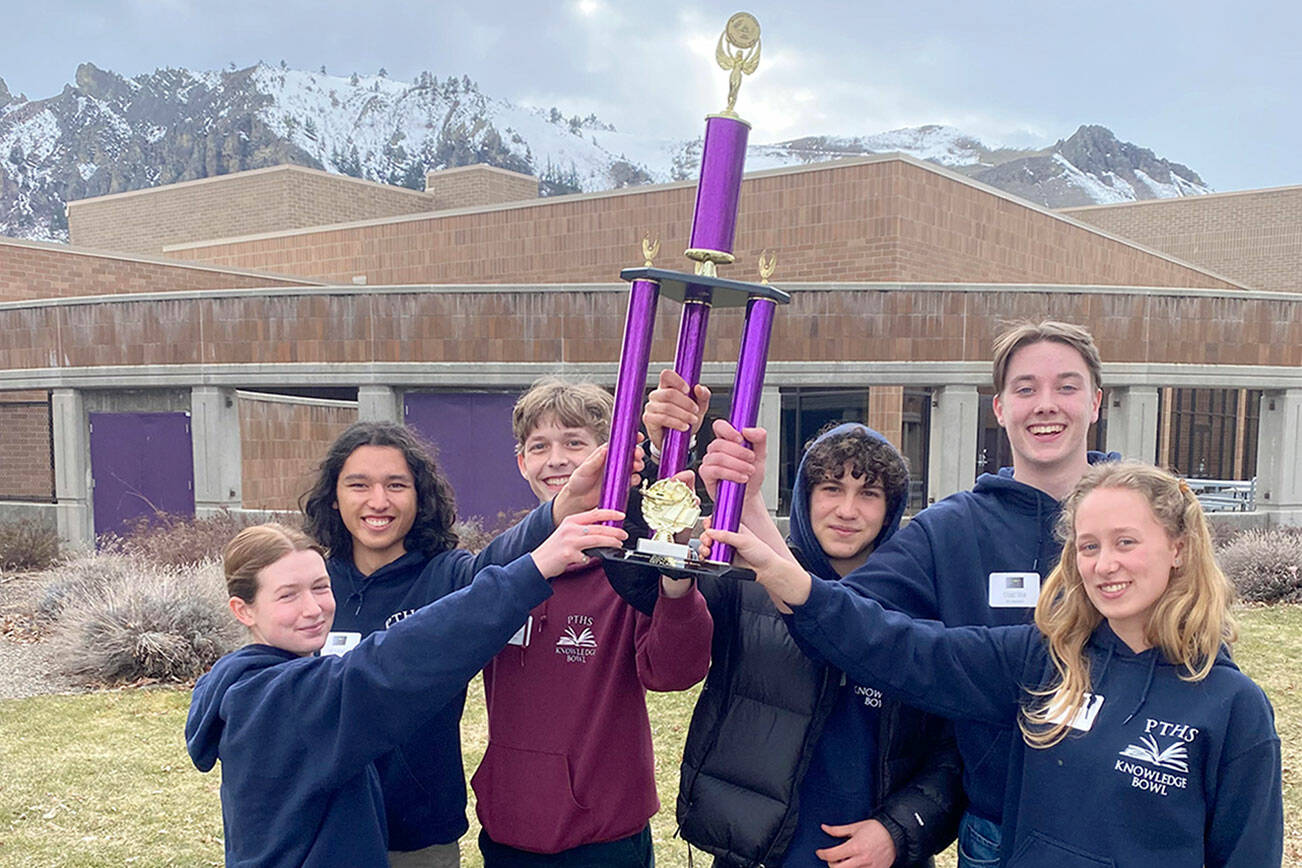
1189, 622
869, 458
436, 509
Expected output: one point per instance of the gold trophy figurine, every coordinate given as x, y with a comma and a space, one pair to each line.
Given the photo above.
668, 506
742, 34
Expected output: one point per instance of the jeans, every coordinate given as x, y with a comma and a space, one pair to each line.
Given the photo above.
437, 856
978, 842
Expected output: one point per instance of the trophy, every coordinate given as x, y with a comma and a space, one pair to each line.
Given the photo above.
668, 505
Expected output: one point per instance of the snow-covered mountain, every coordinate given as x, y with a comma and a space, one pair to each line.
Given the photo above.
106, 134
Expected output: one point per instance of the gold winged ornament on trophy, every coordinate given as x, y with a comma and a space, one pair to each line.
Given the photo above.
742, 34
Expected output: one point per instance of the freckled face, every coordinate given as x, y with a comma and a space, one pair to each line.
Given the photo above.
293, 607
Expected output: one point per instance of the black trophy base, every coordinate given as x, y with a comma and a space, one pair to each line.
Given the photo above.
635, 575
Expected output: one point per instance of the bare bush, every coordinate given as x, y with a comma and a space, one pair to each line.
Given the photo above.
27, 544
121, 619
175, 540
1265, 565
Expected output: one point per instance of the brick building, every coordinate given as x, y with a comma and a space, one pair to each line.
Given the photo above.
346, 298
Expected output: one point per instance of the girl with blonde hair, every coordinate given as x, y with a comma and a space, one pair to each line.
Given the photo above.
1142, 743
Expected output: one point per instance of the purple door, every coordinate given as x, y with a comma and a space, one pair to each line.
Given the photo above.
472, 432
141, 464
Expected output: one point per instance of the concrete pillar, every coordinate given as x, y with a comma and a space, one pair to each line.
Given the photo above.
1132, 422
215, 441
72, 481
379, 404
770, 419
1279, 456
951, 452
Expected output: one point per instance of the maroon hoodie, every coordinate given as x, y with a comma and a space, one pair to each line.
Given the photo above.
569, 758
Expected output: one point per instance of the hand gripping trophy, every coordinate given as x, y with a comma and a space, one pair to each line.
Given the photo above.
668, 505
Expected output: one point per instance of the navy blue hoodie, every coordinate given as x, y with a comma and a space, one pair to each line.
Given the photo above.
298, 736
423, 780
835, 789
1166, 772
938, 567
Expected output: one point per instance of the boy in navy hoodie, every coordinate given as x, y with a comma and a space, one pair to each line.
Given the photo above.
787, 761
568, 777
976, 557
384, 510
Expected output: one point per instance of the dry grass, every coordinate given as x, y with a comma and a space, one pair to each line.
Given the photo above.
103, 778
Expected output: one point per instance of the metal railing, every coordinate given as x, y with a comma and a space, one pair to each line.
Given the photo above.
1225, 495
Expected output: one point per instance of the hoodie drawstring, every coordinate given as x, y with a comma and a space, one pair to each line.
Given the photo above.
1148, 683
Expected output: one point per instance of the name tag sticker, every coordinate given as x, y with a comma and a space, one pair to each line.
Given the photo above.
1014, 590
339, 644
523, 635
1084, 718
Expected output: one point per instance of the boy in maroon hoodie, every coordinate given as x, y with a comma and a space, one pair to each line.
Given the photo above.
568, 778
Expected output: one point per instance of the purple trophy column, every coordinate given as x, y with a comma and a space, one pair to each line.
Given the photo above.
718, 193
630, 385
745, 409
687, 363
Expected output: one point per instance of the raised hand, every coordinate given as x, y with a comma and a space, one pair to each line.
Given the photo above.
785, 580
728, 457
670, 406
575, 534
583, 489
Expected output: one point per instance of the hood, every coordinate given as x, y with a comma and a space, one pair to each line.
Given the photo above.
1023, 497
802, 532
1107, 646
350, 586
205, 724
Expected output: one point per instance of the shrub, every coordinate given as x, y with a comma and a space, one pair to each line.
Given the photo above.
27, 545
121, 619
472, 535
1265, 565
175, 540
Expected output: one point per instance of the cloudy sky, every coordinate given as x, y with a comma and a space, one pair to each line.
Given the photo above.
1213, 85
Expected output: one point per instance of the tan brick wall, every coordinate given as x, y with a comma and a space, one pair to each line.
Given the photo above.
575, 326
261, 200
882, 220
281, 445
474, 186
26, 457
30, 270
886, 411
1254, 237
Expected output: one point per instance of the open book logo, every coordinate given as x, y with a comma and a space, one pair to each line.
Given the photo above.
1171, 757
582, 639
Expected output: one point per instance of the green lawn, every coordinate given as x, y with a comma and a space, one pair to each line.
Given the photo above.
103, 778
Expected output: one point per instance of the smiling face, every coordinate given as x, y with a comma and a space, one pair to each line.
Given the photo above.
293, 607
1047, 406
376, 498
1125, 557
550, 453
846, 515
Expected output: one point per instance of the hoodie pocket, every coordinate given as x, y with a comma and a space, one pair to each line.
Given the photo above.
1038, 851
525, 798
